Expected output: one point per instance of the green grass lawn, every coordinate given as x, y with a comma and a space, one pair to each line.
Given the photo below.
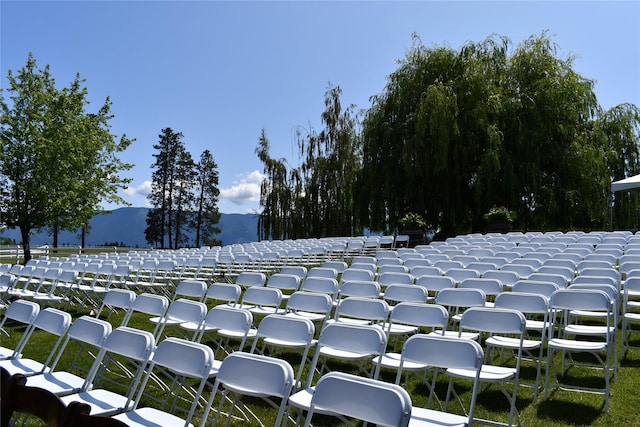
563, 408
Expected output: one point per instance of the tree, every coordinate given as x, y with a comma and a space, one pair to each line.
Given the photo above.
58, 162
317, 198
173, 166
207, 215
457, 132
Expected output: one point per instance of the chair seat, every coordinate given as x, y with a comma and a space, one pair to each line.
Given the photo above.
392, 361
102, 402
342, 354
512, 343
288, 344
576, 345
146, 417
314, 317
22, 366
229, 333
455, 334
632, 316
592, 330
57, 382
488, 373
422, 417
397, 329
302, 398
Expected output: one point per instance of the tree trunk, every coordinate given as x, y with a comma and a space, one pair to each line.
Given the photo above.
25, 232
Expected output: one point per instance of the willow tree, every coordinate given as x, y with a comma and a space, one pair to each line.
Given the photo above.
58, 161
330, 162
275, 194
317, 198
456, 132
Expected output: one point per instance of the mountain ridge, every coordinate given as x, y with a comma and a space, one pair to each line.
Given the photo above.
125, 227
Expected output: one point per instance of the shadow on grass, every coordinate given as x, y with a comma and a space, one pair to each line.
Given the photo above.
567, 412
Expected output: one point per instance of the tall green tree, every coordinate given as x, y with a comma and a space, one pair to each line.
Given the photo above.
207, 215
275, 195
173, 179
456, 132
58, 161
316, 198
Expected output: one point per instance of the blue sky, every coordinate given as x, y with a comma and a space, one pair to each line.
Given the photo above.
221, 71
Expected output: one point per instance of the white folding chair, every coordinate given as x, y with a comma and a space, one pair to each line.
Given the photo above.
363, 311
630, 314
182, 312
506, 329
353, 343
278, 331
442, 353
345, 395
287, 283
253, 375
567, 337
116, 298
490, 287
456, 300
323, 285
190, 288
310, 305
434, 284
261, 301
183, 360
151, 304
407, 319
535, 308
227, 293
25, 313
51, 321
87, 331
123, 342
359, 288
247, 279
223, 324
353, 273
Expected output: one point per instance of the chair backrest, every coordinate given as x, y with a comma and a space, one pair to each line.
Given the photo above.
354, 273
285, 282
230, 319
361, 398
458, 274
410, 293
418, 314
435, 283
489, 286
424, 270
375, 311
386, 279
269, 297
313, 302
323, 272
360, 288
444, 352
507, 278
285, 329
251, 278
535, 287
362, 339
558, 279
580, 299
228, 292
457, 297
494, 320
296, 270
322, 285
190, 288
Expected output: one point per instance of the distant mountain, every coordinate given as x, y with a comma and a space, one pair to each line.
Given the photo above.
126, 226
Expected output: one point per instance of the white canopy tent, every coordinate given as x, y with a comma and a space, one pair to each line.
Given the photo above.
631, 183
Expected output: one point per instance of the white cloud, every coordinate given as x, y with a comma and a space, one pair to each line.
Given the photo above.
143, 189
245, 189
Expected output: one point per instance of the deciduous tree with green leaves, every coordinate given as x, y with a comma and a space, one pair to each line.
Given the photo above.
58, 161
456, 132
